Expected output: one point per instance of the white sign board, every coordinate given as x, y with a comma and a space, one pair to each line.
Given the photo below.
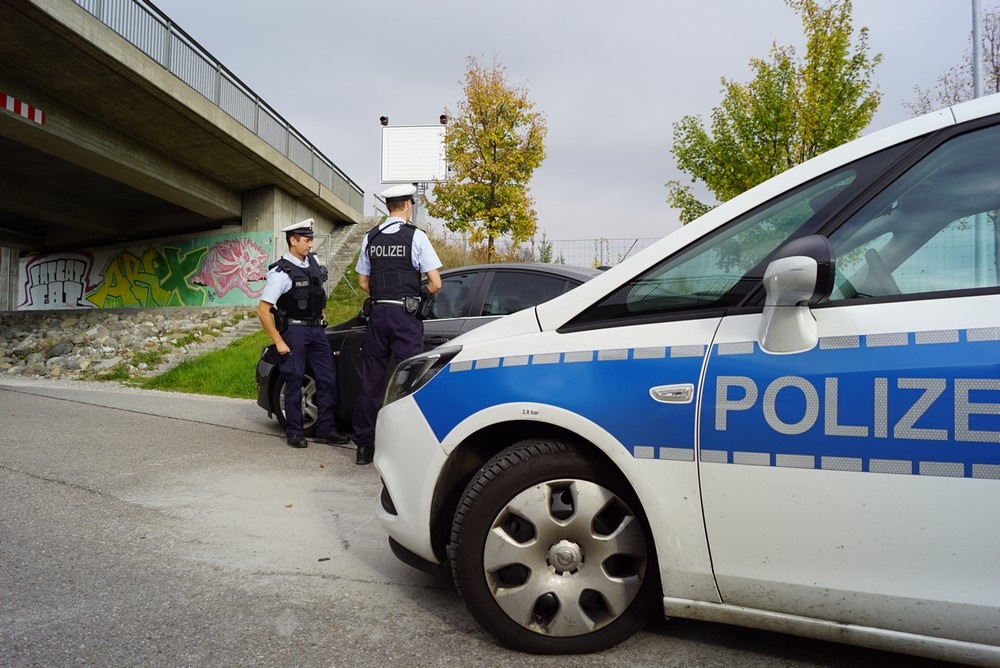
413, 154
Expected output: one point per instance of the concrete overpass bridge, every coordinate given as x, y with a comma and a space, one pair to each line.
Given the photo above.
121, 136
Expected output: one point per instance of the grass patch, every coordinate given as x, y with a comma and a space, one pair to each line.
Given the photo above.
346, 297
150, 358
222, 373
186, 340
230, 372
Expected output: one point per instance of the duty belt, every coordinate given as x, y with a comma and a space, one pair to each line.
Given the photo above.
308, 323
410, 305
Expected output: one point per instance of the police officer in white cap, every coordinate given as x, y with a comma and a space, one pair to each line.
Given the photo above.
393, 256
291, 312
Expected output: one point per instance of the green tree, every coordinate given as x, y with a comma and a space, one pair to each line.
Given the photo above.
545, 250
493, 145
955, 85
791, 111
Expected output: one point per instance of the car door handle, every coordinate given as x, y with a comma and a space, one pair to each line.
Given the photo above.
673, 394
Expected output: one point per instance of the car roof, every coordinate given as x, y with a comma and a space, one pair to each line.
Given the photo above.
561, 270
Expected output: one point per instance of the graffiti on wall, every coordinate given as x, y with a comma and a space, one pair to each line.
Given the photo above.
228, 270
234, 264
56, 281
156, 278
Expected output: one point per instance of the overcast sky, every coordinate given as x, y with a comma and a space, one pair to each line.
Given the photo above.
611, 78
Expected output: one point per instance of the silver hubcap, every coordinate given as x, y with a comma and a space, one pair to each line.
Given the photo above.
565, 557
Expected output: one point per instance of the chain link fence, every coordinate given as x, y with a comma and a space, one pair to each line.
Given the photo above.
455, 250
597, 252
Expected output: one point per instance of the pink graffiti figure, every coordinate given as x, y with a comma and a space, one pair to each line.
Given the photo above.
233, 263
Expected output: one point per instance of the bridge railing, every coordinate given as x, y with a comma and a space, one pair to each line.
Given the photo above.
152, 32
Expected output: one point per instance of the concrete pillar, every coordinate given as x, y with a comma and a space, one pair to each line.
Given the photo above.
270, 208
9, 259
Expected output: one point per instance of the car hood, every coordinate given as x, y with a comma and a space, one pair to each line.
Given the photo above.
515, 324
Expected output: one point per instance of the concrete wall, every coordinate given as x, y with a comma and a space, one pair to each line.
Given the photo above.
206, 270
224, 266
219, 268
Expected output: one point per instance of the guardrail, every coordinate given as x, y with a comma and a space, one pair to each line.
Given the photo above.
152, 32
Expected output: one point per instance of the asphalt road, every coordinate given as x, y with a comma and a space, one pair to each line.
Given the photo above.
142, 528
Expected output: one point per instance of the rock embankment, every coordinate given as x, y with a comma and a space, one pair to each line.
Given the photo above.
114, 343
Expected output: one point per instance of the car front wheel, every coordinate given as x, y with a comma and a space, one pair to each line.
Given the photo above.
551, 552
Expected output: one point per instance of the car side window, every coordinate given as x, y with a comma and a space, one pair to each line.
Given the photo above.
932, 230
514, 291
455, 297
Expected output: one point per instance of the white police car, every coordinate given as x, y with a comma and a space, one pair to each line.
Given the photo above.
785, 415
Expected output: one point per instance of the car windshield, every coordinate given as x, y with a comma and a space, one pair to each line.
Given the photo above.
718, 271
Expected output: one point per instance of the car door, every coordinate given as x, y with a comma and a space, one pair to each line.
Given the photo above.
511, 290
506, 291
858, 479
452, 306
653, 334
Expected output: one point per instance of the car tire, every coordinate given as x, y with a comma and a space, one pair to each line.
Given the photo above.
309, 409
551, 551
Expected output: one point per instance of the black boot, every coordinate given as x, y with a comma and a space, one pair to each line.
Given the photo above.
333, 438
366, 453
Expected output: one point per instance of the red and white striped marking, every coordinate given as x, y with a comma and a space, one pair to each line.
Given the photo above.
15, 106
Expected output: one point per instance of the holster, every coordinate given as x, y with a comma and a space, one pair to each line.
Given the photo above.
411, 305
280, 320
426, 304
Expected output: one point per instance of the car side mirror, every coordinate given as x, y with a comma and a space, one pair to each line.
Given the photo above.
799, 276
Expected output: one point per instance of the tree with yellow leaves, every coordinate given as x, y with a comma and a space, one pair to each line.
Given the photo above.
492, 145
792, 110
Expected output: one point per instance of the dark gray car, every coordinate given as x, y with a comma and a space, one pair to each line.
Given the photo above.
470, 297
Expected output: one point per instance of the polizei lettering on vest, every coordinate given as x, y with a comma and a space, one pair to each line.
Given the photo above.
387, 251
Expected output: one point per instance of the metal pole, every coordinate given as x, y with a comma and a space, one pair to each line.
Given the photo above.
983, 247
421, 191
977, 50
168, 43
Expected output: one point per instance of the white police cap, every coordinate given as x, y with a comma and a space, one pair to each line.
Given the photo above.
302, 229
400, 192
